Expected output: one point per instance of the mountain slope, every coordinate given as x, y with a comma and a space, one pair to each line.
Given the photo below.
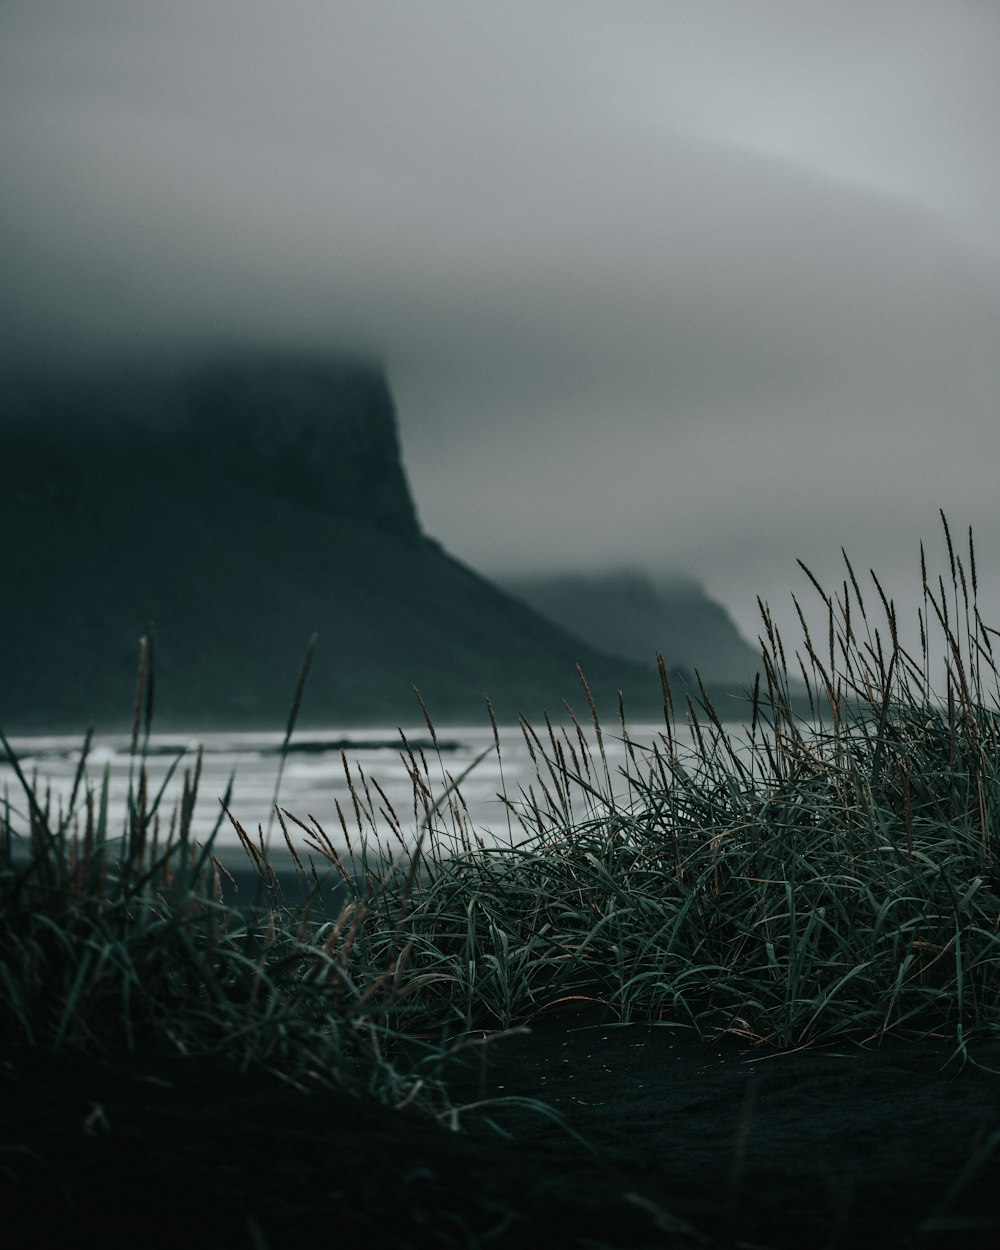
625, 614
241, 506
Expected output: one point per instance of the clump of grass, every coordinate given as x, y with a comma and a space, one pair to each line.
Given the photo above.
794, 881
120, 940
125, 941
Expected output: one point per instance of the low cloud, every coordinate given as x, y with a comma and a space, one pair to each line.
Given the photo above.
655, 286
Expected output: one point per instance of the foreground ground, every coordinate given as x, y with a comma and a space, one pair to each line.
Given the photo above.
689, 1145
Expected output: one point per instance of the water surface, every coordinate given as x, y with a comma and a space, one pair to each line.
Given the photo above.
326, 768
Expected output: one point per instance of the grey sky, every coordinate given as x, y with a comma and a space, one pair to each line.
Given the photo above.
703, 286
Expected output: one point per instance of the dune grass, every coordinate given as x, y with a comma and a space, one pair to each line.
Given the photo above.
791, 882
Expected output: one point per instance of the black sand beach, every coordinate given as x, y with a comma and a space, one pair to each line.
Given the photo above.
688, 1145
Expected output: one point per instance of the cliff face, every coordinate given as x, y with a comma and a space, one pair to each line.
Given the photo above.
238, 507
320, 432
317, 432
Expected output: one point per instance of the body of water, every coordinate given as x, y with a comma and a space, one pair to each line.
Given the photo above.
326, 769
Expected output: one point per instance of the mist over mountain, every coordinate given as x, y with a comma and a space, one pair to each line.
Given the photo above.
236, 507
625, 613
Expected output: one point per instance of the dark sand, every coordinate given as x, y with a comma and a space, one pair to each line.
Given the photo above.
691, 1146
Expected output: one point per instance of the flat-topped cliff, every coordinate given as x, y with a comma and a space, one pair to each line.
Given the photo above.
237, 506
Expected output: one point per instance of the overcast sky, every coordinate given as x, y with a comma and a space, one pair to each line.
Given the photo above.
701, 286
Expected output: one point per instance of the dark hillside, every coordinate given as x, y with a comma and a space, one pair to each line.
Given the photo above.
240, 507
626, 614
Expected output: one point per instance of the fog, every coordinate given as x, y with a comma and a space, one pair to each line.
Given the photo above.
679, 286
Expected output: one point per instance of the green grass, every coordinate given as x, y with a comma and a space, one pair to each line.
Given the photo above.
798, 881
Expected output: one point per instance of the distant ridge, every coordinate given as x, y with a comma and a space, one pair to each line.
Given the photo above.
624, 613
241, 504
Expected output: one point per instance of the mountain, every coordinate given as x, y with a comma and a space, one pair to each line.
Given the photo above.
238, 505
625, 614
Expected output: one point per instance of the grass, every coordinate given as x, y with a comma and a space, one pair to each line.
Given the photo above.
794, 882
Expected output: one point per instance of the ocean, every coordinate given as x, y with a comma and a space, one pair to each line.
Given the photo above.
352, 783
